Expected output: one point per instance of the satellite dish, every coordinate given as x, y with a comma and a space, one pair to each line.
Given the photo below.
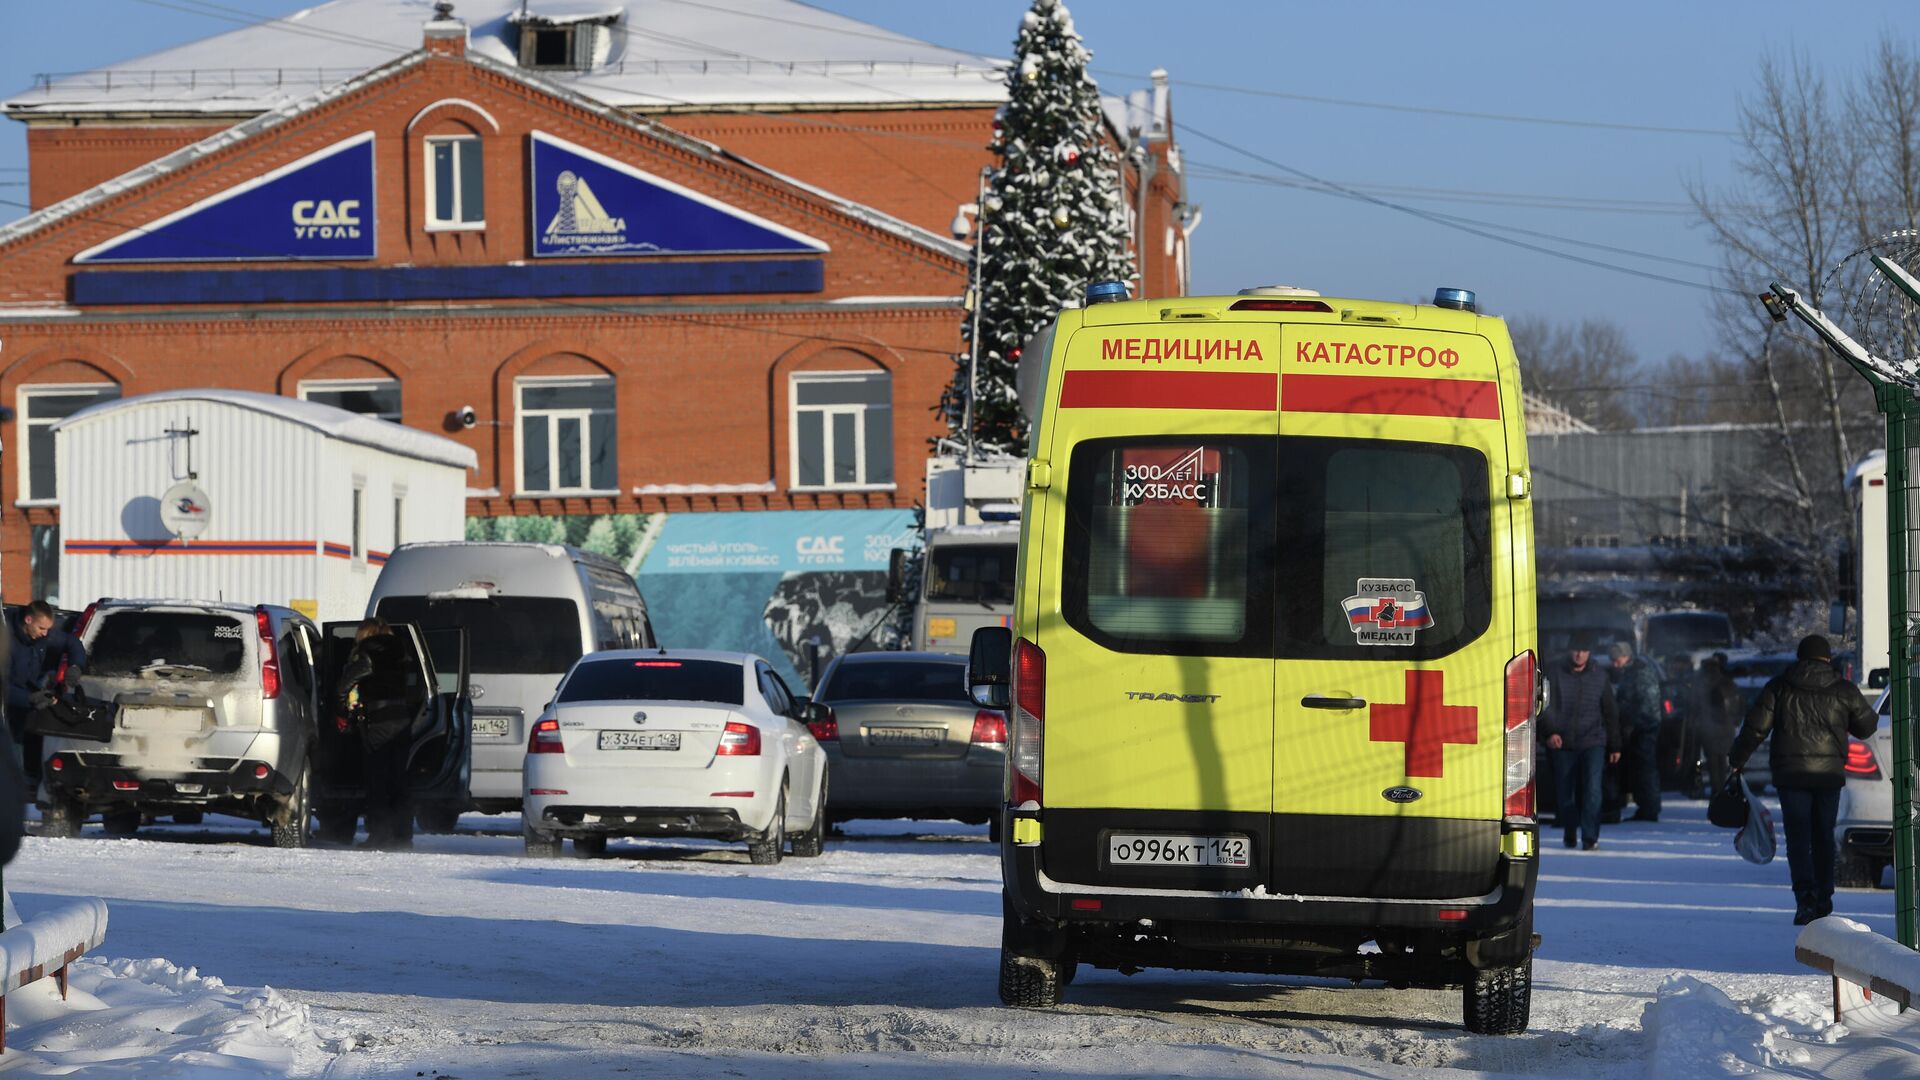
185, 510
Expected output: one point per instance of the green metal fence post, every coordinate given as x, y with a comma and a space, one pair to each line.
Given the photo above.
1900, 407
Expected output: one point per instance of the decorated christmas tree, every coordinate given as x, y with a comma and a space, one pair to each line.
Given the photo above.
1054, 218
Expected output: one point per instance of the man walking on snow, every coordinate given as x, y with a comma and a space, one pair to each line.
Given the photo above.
1636, 693
1809, 709
1583, 734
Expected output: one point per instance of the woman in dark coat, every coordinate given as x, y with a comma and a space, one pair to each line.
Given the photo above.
380, 697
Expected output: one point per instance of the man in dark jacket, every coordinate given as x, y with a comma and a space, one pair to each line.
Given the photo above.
36, 648
380, 697
1809, 709
1636, 694
1583, 736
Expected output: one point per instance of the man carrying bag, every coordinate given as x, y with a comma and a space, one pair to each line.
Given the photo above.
1809, 710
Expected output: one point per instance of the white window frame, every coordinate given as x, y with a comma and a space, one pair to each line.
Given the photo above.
357, 524
828, 412
347, 385
435, 223
554, 416
27, 425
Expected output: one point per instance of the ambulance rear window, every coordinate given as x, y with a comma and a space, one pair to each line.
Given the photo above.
1295, 547
1169, 544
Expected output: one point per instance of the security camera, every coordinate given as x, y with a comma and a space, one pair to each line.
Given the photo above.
467, 416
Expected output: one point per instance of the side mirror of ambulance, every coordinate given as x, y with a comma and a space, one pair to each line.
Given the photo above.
897, 576
990, 667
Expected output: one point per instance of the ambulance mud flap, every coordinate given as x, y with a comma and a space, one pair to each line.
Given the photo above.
1030, 937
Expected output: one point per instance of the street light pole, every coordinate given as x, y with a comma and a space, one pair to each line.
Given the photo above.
977, 295
1893, 394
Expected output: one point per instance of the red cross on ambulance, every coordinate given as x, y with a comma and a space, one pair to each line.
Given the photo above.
1425, 723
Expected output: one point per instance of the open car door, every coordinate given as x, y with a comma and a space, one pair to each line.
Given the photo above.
441, 763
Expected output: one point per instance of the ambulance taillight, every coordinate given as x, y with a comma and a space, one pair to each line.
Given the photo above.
1521, 695
1029, 714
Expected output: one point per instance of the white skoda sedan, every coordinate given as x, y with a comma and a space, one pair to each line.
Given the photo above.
677, 743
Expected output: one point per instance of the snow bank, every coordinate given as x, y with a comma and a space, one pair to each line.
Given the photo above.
1696, 1030
151, 1019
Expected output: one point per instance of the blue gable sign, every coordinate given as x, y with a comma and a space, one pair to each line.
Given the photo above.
319, 207
585, 203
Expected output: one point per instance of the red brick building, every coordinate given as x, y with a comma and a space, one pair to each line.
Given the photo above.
659, 284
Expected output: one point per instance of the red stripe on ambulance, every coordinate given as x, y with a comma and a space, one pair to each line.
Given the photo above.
1392, 395
1169, 390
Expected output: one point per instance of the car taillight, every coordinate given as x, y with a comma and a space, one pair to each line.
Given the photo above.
1860, 760
1667, 704
742, 740
545, 738
826, 730
1029, 717
269, 658
1521, 695
989, 728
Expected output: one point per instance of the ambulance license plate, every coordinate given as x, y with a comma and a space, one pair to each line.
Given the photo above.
495, 726
639, 740
1127, 849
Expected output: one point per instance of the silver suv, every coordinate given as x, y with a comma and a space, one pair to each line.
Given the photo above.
229, 708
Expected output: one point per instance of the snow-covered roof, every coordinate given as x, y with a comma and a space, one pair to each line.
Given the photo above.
288, 111
664, 54
334, 423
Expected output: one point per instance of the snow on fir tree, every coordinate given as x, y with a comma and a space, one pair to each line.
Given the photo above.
1054, 218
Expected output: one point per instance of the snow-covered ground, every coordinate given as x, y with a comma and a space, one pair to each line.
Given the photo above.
1664, 955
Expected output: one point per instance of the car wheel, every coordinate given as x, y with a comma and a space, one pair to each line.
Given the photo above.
993, 829
1855, 871
120, 823
1499, 1000
438, 818
293, 818
766, 850
810, 844
540, 845
589, 847
63, 819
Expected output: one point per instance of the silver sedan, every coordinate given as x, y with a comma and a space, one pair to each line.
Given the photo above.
911, 743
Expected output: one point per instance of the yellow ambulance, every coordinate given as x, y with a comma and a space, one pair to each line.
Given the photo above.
1271, 680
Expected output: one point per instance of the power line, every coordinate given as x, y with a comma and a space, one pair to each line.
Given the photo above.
1428, 110
1257, 178
1511, 199
207, 9
1443, 220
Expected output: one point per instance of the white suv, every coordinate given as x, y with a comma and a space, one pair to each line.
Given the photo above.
1863, 831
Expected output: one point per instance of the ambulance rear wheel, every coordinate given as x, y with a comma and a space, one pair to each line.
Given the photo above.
1031, 982
1498, 1000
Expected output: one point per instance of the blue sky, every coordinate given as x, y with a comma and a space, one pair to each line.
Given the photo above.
1659, 64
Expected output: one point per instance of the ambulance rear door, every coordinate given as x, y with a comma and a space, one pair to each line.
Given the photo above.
1393, 613
1158, 746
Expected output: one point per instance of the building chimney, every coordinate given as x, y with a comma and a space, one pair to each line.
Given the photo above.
445, 35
